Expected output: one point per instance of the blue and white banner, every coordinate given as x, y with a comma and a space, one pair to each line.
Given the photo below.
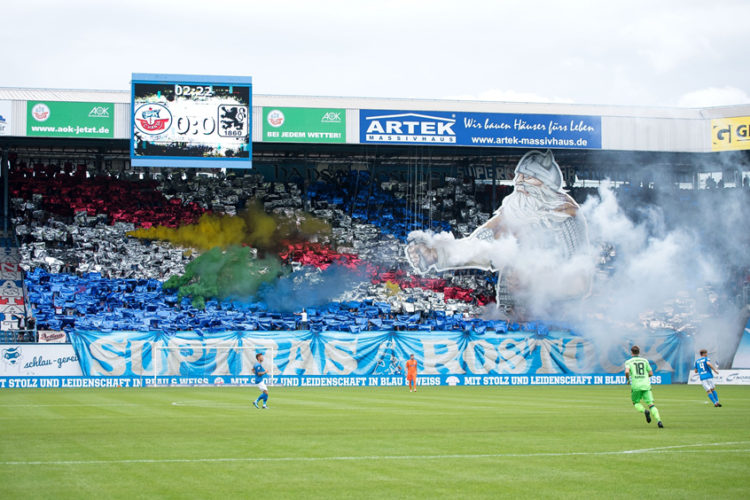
365, 354
742, 355
480, 129
318, 381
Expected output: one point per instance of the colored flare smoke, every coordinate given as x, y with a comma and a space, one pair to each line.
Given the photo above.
252, 227
230, 273
310, 287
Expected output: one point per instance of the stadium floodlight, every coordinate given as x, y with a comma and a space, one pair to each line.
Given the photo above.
208, 362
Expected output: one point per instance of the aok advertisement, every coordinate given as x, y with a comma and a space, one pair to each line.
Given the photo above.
191, 121
730, 134
480, 129
70, 119
314, 125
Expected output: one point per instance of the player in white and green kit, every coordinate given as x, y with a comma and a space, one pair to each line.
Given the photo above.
638, 372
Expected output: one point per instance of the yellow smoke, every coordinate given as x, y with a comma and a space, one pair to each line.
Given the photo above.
210, 231
391, 288
252, 227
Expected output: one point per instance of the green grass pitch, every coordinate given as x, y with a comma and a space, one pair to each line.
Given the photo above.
440, 442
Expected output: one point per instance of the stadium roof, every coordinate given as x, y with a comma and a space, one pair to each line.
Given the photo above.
69, 95
123, 96
623, 128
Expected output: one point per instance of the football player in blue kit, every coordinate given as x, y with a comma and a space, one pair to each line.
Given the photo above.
705, 371
260, 376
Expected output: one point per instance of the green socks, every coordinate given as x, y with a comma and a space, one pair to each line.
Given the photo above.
655, 413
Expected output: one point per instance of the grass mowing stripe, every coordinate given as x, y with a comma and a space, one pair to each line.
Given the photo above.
664, 449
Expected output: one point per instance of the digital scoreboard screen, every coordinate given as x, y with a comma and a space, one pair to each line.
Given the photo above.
191, 121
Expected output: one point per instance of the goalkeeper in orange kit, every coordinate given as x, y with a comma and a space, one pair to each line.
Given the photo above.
411, 373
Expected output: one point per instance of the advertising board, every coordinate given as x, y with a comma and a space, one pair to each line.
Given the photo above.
313, 125
199, 380
725, 377
70, 119
730, 134
6, 108
26, 360
480, 129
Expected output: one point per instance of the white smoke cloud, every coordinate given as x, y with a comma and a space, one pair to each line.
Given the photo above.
667, 260
666, 267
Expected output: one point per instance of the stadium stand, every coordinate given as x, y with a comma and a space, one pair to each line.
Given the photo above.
85, 271
14, 325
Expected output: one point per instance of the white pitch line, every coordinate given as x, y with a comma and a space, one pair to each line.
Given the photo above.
664, 449
54, 405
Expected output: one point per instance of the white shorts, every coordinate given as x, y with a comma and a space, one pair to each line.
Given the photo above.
708, 384
262, 386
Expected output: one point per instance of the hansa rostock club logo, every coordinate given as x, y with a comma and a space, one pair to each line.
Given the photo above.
153, 119
275, 118
40, 112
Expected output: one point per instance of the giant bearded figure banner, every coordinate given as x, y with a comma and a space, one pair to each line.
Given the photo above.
536, 241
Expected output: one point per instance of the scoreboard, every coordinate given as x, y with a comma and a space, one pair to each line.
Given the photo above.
191, 121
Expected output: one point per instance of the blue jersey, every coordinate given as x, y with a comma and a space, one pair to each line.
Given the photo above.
704, 371
260, 373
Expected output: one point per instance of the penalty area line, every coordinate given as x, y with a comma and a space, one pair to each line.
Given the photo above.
664, 449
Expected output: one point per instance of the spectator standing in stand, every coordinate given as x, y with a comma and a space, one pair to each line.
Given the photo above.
303, 323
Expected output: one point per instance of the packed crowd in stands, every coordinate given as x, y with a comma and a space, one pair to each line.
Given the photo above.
85, 272
61, 301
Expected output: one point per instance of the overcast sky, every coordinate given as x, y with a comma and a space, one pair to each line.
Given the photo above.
666, 53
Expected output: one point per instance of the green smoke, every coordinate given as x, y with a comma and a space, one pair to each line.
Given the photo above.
217, 273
